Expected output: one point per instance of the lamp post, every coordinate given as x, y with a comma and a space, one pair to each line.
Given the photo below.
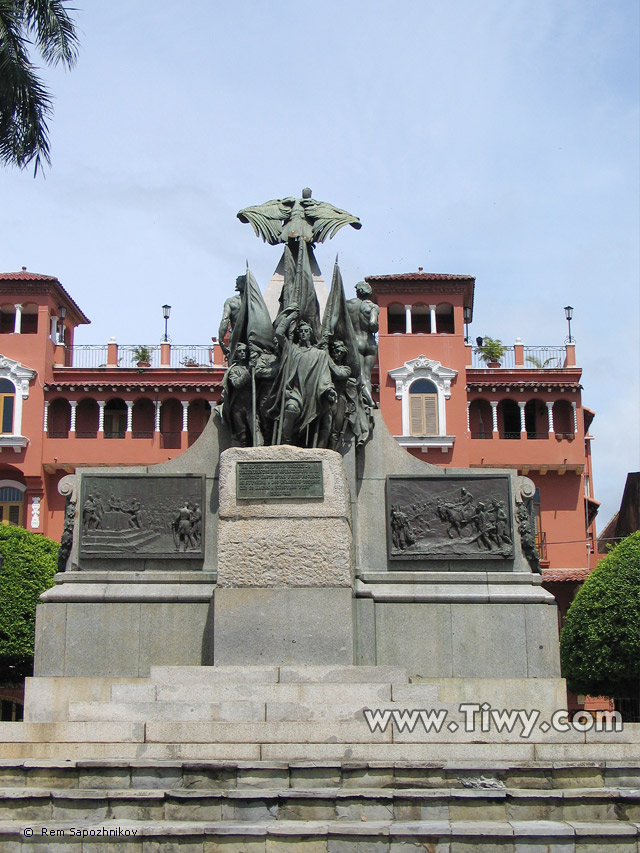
166, 312
568, 313
62, 313
467, 320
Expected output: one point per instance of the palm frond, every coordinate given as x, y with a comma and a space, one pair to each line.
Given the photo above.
55, 36
25, 103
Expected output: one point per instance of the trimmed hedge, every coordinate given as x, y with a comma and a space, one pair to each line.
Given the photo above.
600, 642
30, 562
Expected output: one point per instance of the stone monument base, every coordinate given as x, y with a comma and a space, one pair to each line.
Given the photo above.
285, 559
283, 626
91, 625
458, 624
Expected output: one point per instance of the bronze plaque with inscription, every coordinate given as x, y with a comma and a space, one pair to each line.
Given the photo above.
278, 480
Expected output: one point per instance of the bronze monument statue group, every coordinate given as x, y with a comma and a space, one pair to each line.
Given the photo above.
301, 379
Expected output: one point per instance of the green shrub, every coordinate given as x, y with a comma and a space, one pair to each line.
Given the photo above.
600, 642
30, 562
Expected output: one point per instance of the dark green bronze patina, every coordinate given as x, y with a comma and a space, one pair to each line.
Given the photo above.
299, 380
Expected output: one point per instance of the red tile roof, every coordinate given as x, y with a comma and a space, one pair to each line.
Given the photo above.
420, 276
565, 575
27, 276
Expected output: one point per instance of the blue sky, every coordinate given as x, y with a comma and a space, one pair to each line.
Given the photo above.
498, 139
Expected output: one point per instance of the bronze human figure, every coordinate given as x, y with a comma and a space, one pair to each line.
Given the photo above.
237, 403
364, 318
344, 413
282, 385
303, 392
230, 313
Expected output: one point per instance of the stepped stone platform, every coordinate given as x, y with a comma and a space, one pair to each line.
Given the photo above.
273, 758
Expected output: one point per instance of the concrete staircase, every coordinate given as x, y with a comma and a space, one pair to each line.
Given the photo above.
281, 758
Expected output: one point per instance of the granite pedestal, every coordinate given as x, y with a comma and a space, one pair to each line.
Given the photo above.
285, 563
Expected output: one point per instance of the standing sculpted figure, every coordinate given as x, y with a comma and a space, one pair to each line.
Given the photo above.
299, 393
364, 317
230, 312
303, 394
236, 395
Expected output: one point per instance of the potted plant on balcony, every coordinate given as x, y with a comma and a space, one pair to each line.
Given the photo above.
142, 356
490, 351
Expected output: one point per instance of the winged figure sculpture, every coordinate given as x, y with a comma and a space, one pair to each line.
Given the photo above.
304, 219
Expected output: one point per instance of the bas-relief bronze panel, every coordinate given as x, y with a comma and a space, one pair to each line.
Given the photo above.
449, 518
142, 515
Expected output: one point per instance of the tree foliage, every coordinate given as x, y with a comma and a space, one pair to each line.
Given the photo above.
29, 564
25, 103
600, 642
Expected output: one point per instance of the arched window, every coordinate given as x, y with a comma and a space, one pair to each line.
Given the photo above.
7, 319
7, 401
536, 421
420, 319
423, 408
444, 318
115, 419
480, 419
11, 502
87, 416
171, 423
563, 418
199, 412
509, 419
143, 418
29, 320
59, 418
424, 385
396, 318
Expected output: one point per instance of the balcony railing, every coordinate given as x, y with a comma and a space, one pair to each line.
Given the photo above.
89, 356
191, 356
127, 356
545, 358
534, 358
168, 439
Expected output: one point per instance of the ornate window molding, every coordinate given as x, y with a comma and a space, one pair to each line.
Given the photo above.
20, 377
404, 377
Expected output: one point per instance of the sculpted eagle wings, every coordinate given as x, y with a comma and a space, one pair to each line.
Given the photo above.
313, 221
326, 219
266, 219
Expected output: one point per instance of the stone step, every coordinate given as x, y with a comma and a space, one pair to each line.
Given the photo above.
188, 675
367, 694
228, 711
203, 774
93, 748
321, 836
330, 804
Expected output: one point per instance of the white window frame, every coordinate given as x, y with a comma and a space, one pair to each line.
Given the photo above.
20, 377
404, 377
